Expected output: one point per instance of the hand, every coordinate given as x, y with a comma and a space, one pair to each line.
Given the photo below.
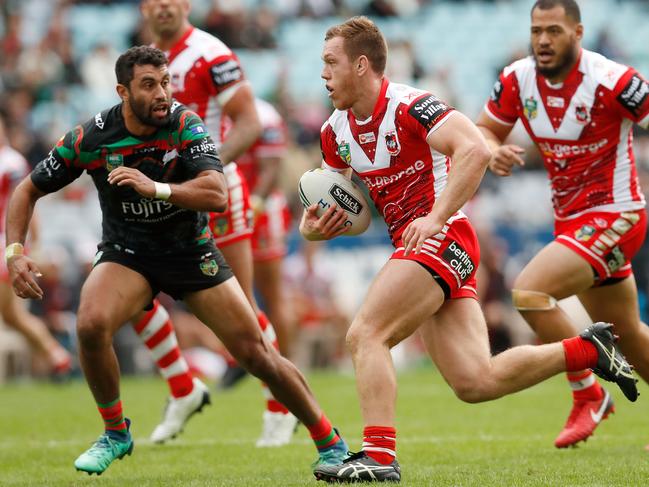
330, 225
504, 158
22, 271
418, 231
127, 176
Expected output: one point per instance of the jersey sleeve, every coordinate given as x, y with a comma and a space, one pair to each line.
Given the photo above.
631, 94
503, 102
60, 167
425, 115
197, 149
225, 77
331, 156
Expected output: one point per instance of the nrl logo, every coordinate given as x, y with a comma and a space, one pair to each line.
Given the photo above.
345, 152
113, 161
346, 200
530, 109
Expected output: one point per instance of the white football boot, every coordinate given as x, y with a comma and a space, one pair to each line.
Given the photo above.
178, 412
277, 430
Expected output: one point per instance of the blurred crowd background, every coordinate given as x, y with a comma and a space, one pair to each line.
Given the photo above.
56, 70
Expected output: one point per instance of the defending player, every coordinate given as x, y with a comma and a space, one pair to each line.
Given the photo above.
579, 108
207, 76
156, 171
421, 161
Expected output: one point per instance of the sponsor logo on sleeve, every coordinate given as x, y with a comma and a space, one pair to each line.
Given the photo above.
634, 94
427, 111
345, 200
99, 122
226, 72
197, 129
459, 260
497, 92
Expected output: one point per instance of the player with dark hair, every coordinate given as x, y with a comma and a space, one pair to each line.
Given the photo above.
421, 161
579, 108
157, 172
207, 76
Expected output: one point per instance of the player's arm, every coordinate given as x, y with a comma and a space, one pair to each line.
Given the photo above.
461, 140
331, 223
505, 156
246, 127
51, 174
207, 191
631, 97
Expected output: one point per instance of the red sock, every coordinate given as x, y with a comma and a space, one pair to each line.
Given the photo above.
323, 434
157, 333
580, 354
272, 404
380, 443
113, 415
584, 386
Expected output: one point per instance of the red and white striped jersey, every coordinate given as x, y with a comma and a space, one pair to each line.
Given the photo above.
582, 128
272, 142
205, 74
403, 174
13, 168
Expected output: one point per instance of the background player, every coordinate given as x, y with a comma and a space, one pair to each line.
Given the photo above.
13, 168
156, 171
579, 108
207, 76
423, 161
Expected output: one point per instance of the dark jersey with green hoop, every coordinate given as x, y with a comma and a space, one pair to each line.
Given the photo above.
173, 154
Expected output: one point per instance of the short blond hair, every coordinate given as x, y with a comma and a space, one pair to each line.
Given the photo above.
362, 37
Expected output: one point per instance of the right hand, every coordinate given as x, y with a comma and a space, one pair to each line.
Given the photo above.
330, 225
22, 272
504, 158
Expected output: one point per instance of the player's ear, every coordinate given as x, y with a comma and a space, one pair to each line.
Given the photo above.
122, 92
579, 31
362, 65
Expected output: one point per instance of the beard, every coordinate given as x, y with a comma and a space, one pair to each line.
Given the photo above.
145, 115
564, 63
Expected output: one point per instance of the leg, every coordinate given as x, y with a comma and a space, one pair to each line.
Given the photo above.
457, 341
33, 329
268, 281
111, 294
400, 298
555, 273
618, 304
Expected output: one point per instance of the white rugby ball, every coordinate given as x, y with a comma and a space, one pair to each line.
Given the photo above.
327, 188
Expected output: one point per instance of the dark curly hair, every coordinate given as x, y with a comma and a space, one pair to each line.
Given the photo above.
137, 56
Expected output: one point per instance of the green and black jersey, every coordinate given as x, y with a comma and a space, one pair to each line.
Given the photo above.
173, 154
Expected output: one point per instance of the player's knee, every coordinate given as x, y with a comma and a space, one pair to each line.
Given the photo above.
93, 328
472, 389
528, 300
257, 358
358, 336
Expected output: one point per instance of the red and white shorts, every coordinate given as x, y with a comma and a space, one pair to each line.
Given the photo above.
271, 229
453, 254
235, 223
608, 241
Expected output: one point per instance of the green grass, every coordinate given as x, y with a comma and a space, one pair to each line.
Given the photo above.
441, 441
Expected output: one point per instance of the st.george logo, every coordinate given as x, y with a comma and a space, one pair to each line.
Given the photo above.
582, 115
392, 143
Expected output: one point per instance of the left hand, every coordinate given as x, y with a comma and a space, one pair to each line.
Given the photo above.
418, 231
127, 176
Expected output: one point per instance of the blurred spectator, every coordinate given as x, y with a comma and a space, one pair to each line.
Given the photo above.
98, 69
321, 323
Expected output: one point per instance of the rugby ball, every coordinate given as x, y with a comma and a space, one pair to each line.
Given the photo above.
327, 188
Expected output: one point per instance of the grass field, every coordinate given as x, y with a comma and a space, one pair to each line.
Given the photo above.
441, 442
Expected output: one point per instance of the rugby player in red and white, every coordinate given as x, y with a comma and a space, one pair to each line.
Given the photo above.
13, 168
207, 77
579, 108
421, 161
